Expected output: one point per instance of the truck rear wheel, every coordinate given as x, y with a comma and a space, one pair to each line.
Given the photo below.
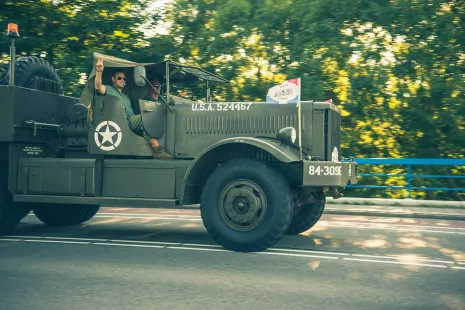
246, 206
35, 73
307, 215
64, 214
11, 213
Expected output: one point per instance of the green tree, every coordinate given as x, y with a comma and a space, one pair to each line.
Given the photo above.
395, 68
67, 32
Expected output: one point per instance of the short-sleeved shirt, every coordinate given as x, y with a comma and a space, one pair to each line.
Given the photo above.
111, 90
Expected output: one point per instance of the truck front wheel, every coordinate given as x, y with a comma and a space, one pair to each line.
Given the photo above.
307, 215
246, 206
64, 214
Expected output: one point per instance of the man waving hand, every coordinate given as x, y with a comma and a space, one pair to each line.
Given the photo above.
135, 121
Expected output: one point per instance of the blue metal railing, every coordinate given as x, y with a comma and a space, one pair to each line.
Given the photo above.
410, 162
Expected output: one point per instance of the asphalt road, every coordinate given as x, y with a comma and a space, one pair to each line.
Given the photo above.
162, 259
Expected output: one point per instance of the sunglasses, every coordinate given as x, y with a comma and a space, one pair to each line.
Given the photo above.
119, 78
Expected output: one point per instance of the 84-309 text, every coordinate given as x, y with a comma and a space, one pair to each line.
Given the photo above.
325, 170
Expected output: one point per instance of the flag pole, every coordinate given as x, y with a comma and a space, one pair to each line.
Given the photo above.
299, 120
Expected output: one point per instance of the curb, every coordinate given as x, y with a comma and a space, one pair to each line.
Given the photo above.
416, 215
397, 202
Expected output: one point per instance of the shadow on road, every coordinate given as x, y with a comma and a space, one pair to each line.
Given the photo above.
344, 234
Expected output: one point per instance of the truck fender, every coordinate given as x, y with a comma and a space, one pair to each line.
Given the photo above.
205, 163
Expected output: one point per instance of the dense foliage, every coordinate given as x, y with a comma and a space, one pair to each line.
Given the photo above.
396, 68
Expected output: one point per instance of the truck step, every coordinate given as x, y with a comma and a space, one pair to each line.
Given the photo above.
108, 201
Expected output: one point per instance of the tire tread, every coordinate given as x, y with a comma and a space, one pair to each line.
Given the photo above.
282, 190
308, 216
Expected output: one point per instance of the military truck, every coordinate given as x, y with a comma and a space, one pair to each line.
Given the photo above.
257, 171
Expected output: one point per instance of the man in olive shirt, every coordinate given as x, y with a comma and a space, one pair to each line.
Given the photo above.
153, 96
135, 121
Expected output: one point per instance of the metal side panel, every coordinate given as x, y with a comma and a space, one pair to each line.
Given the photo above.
59, 176
7, 113
200, 125
153, 117
318, 134
19, 104
110, 134
142, 178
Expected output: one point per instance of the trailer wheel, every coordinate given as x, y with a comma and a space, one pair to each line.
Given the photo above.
35, 73
64, 214
246, 206
11, 213
307, 215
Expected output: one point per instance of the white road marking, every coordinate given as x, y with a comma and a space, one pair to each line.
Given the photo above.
405, 258
197, 249
149, 217
297, 255
388, 259
55, 241
130, 245
10, 239
70, 238
200, 244
60, 238
392, 262
148, 242
307, 251
30, 237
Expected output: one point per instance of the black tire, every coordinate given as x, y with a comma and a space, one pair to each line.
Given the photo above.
258, 193
35, 73
64, 214
307, 215
11, 213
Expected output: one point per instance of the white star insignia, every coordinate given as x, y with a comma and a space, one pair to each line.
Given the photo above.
107, 135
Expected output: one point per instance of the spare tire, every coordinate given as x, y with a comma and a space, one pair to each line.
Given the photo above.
35, 73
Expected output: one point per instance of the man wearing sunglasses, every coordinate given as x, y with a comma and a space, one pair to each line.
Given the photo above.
135, 121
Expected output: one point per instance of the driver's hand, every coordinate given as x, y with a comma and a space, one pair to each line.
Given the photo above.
99, 65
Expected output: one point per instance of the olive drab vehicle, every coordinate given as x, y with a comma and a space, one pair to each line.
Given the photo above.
257, 171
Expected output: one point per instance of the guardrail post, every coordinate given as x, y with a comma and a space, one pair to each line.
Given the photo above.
409, 180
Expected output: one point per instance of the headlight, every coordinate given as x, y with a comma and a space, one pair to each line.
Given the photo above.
287, 135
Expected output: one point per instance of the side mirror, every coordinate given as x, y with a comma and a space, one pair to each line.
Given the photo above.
139, 76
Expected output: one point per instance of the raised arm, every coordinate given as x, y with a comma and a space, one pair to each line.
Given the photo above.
98, 76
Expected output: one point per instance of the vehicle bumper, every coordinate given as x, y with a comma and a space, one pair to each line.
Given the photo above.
328, 173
